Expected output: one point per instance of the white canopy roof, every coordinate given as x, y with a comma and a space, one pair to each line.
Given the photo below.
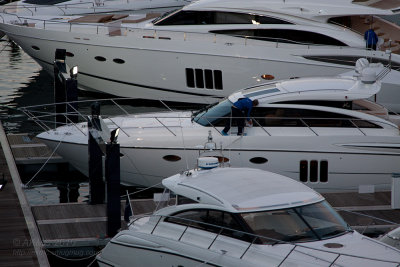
242, 189
319, 10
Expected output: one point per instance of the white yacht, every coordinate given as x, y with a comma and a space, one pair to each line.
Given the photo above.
76, 7
205, 51
243, 217
323, 132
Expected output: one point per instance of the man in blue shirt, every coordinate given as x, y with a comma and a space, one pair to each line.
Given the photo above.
371, 39
240, 111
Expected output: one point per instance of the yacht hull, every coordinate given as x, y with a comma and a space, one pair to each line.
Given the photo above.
156, 68
332, 163
205, 249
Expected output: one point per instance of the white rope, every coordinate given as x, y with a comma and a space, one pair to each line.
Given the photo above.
136, 192
44, 164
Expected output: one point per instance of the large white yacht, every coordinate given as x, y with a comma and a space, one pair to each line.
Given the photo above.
243, 217
205, 51
320, 131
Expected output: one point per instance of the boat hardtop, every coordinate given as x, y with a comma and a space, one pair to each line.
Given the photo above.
256, 189
328, 88
312, 9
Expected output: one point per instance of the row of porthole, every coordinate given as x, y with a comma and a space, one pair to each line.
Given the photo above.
255, 160
98, 58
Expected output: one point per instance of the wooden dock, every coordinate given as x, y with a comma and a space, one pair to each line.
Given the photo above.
79, 224
20, 240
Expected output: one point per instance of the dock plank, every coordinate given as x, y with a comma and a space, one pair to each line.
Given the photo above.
21, 244
16, 248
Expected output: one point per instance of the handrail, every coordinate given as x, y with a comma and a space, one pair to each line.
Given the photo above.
213, 37
275, 241
41, 115
165, 126
62, 7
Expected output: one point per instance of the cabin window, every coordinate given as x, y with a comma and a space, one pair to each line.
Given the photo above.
119, 61
190, 78
209, 79
313, 171
35, 47
323, 171
186, 17
284, 36
100, 58
303, 171
210, 220
318, 171
293, 117
218, 79
312, 222
172, 158
69, 54
258, 160
199, 78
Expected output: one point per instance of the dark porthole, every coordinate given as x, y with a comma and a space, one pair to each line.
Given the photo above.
172, 158
99, 58
119, 61
258, 160
69, 54
35, 47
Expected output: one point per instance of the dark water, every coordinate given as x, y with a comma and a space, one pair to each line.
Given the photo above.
23, 83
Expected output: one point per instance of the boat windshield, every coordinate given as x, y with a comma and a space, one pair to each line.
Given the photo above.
301, 224
212, 114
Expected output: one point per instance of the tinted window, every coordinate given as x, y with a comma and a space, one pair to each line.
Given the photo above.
209, 79
209, 220
218, 79
214, 17
313, 171
303, 171
293, 225
323, 171
284, 36
190, 78
291, 117
199, 78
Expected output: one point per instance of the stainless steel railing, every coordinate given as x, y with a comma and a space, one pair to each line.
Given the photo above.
45, 117
219, 231
105, 28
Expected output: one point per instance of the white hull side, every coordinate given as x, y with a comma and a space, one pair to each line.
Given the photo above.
152, 73
162, 248
347, 168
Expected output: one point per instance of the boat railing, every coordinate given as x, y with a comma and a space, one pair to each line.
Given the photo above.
255, 239
34, 9
372, 223
116, 28
51, 116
